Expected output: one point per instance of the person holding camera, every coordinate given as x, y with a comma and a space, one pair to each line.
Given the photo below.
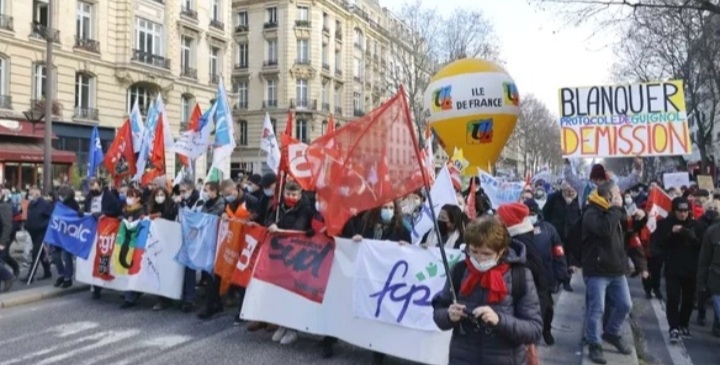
497, 312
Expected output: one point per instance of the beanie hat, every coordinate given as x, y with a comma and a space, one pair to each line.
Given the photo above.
268, 179
532, 206
597, 172
680, 204
515, 218
255, 179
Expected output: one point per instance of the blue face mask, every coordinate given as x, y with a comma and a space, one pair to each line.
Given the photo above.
269, 192
386, 215
123, 197
230, 198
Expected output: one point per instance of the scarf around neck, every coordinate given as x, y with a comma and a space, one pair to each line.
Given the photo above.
491, 280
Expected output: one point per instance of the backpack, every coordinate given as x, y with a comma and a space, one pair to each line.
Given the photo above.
517, 271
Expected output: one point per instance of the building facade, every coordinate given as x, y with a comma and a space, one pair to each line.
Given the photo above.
113, 53
310, 58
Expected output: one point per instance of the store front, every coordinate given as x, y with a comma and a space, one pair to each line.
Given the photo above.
22, 155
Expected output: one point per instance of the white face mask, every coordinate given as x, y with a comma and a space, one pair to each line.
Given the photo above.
160, 199
483, 266
317, 206
187, 195
130, 201
532, 219
628, 201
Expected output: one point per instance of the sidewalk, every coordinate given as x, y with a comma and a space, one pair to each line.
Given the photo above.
21, 293
568, 326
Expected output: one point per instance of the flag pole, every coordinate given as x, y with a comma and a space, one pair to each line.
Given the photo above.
426, 183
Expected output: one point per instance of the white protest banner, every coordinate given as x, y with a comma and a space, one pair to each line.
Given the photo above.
442, 193
193, 144
269, 303
676, 180
500, 192
644, 119
145, 264
395, 284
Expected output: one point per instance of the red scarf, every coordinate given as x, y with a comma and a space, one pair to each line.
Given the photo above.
491, 280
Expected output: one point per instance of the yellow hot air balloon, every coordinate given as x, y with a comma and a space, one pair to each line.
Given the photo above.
473, 105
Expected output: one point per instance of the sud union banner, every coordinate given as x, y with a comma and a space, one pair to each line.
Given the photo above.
71, 231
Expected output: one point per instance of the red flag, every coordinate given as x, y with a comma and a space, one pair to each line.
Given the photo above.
156, 161
470, 202
193, 124
455, 175
658, 205
120, 158
366, 163
254, 237
331, 125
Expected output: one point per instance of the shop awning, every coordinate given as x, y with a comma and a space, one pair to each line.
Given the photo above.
32, 152
22, 128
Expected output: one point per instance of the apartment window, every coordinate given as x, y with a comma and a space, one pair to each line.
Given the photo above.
242, 19
187, 59
242, 91
214, 62
83, 91
242, 55
3, 75
325, 55
84, 21
301, 92
303, 13
301, 130
359, 39
272, 50
40, 12
39, 76
357, 98
326, 21
188, 4
303, 50
357, 68
338, 60
186, 102
338, 99
243, 130
142, 94
149, 37
272, 92
271, 15
325, 93
216, 10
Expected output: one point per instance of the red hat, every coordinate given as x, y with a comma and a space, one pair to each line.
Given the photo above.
597, 172
515, 218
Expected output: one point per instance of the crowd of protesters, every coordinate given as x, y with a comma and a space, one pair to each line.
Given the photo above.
517, 255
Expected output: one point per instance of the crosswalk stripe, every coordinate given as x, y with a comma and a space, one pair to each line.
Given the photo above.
25, 358
678, 352
109, 338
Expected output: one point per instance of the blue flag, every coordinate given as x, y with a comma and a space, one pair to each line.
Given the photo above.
199, 235
95, 155
71, 232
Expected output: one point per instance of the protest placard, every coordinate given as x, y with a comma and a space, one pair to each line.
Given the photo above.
645, 119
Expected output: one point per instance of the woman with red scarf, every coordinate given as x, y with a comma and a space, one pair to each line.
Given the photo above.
492, 322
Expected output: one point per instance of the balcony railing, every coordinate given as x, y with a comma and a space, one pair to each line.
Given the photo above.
242, 28
241, 105
190, 13
6, 22
188, 72
368, 53
303, 23
85, 113
338, 35
358, 113
214, 79
39, 105
89, 45
302, 61
303, 103
150, 59
217, 24
269, 104
357, 78
338, 110
241, 66
338, 72
41, 31
270, 25
326, 107
326, 29
270, 63
358, 46
326, 66
5, 102
160, 1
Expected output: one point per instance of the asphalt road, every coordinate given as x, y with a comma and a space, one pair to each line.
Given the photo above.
77, 330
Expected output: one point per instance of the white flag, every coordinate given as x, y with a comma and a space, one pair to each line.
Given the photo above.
268, 143
442, 193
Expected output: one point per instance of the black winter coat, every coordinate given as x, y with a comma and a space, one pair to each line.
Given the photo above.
38, 217
504, 344
680, 250
561, 214
357, 225
111, 206
603, 242
297, 218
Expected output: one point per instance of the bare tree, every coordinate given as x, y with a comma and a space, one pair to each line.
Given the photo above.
537, 134
595, 6
678, 43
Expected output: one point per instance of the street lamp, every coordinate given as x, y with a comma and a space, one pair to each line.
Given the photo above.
49, 101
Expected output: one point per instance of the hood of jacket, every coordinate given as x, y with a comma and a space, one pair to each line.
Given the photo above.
517, 251
595, 199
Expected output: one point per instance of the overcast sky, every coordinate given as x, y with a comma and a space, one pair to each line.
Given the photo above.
540, 51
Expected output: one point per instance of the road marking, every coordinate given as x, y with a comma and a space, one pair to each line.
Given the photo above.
47, 350
109, 338
62, 330
678, 352
166, 342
